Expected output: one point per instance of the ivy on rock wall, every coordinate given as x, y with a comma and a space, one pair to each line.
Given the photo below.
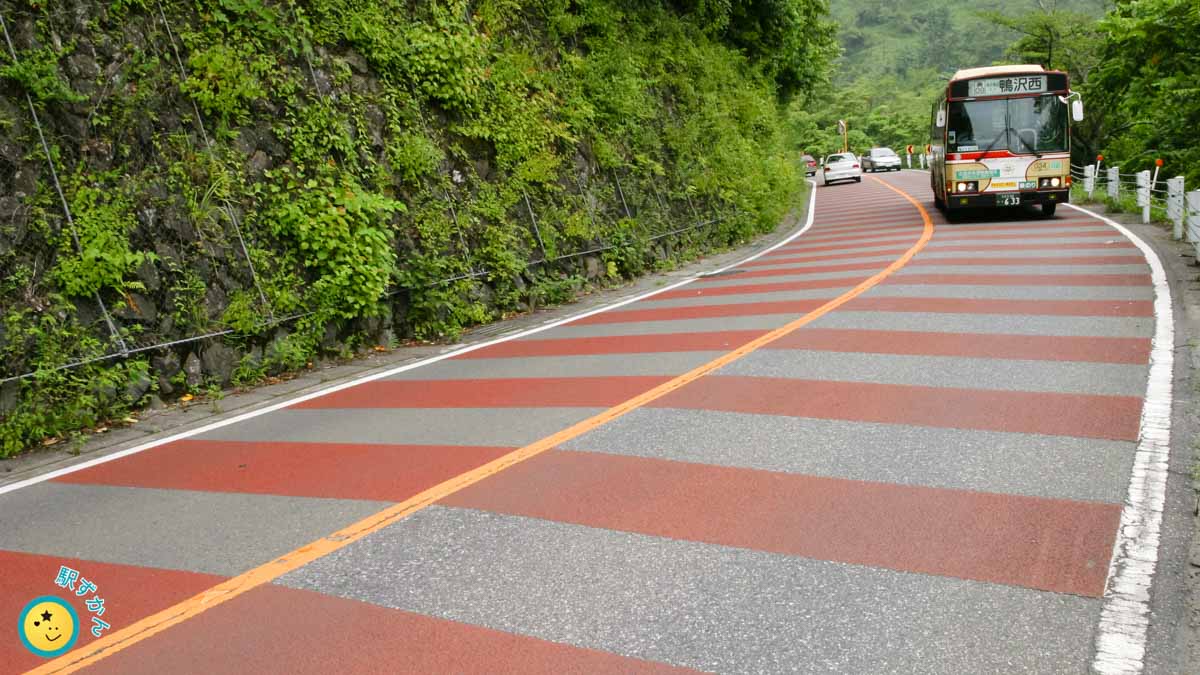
304, 179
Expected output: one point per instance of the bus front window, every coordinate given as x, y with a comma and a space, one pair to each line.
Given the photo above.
1038, 124
976, 126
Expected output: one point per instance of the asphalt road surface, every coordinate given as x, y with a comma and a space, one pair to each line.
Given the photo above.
891, 445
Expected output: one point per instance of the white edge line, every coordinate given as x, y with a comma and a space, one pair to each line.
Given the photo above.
812, 201
1125, 615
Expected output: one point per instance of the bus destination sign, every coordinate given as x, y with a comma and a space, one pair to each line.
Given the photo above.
1000, 86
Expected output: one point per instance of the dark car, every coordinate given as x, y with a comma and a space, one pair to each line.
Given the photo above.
810, 165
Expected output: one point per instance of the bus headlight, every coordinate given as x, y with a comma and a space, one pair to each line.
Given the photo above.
961, 187
1054, 182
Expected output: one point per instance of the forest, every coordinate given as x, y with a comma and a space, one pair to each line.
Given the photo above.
1133, 62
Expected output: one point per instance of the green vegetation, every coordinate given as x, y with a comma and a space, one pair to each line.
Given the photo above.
898, 55
370, 169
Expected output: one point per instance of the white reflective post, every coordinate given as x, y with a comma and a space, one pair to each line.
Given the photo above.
1175, 205
1089, 179
910, 160
924, 159
1193, 218
1114, 182
1143, 194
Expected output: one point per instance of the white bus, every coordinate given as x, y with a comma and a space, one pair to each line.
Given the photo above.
1001, 137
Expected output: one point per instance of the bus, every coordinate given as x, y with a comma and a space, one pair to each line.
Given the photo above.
1000, 137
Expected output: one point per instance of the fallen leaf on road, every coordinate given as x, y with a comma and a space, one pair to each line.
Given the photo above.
185, 398
51, 441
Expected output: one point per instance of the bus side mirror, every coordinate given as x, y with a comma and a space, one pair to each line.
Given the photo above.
1077, 110
941, 118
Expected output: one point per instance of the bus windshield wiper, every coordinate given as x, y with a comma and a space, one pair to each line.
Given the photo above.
994, 142
1026, 143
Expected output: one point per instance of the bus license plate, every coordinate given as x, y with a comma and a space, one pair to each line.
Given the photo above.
1008, 200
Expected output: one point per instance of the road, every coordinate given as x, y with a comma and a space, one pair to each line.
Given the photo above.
891, 445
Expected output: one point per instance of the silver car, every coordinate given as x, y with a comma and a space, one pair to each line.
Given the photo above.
841, 166
881, 159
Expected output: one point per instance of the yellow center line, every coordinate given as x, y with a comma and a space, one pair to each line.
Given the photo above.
267, 572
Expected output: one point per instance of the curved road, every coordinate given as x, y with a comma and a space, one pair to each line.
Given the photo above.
890, 445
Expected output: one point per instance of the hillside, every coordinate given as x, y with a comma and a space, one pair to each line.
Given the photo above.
257, 184
895, 56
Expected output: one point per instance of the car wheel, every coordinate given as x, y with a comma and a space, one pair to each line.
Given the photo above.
858, 180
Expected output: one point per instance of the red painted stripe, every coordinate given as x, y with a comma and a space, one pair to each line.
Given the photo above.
786, 257
973, 345
849, 233
993, 306
1081, 415
1031, 260
334, 470
814, 269
698, 291
1080, 246
795, 307
1068, 234
847, 246
521, 392
619, 344
129, 592
274, 629
1023, 279
1047, 544
1036, 225
841, 236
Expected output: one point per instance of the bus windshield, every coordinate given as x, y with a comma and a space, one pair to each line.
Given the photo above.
1019, 125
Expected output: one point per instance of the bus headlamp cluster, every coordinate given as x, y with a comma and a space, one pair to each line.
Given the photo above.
1050, 182
966, 186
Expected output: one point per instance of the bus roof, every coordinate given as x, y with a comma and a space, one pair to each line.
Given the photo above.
972, 73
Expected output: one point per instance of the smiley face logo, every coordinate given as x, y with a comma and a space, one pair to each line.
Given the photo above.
48, 626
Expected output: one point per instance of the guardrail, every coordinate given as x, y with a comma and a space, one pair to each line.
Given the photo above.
1171, 202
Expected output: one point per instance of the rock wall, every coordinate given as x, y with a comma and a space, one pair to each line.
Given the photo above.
255, 184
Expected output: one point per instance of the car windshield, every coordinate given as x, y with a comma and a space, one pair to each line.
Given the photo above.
882, 152
840, 158
1019, 125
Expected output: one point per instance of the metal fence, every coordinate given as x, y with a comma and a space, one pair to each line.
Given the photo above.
1154, 196
122, 345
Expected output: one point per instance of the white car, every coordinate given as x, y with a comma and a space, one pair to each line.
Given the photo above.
842, 166
881, 159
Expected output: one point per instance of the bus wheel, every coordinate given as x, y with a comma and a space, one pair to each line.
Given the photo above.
1048, 209
938, 202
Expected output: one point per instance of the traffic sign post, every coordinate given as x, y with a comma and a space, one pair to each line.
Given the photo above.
910, 149
844, 130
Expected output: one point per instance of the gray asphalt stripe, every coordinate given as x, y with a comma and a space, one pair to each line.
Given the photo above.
1049, 253
988, 461
504, 427
895, 289
924, 266
1072, 377
1065, 241
1108, 326
217, 533
884, 260
804, 249
708, 607
853, 276
587, 365
755, 322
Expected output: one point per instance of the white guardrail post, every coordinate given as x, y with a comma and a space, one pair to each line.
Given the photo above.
1114, 182
1175, 211
1193, 219
924, 160
1089, 179
1143, 194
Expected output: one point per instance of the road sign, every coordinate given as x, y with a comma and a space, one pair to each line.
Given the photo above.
928, 148
910, 149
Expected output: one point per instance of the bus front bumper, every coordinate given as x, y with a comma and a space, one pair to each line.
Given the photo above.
989, 200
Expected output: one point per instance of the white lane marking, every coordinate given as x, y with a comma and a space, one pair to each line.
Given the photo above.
1125, 616
812, 202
